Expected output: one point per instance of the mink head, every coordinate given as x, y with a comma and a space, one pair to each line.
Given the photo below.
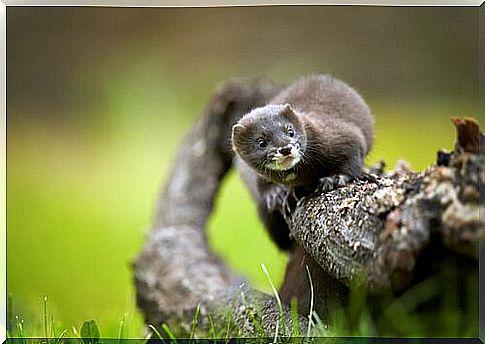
270, 139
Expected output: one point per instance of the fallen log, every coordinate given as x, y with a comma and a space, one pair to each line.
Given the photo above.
380, 234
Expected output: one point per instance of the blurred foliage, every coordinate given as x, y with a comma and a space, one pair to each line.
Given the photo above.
98, 99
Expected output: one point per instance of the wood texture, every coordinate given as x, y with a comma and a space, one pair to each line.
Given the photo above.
373, 233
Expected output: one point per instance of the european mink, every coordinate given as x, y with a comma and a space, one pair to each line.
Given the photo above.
313, 134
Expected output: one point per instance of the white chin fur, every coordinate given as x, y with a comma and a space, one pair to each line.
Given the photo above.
283, 163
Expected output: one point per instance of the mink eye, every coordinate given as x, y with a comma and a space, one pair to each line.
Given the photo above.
262, 143
291, 132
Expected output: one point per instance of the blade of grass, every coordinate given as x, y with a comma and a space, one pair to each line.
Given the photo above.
10, 317
312, 297
320, 327
194, 321
76, 333
20, 329
228, 327
169, 332
295, 321
53, 329
120, 329
63, 333
46, 333
356, 306
277, 296
158, 334
212, 328
275, 340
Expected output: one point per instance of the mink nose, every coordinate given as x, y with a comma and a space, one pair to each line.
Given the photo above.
285, 150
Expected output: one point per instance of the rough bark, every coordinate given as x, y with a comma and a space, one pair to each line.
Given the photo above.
377, 230
392, 233
372, 232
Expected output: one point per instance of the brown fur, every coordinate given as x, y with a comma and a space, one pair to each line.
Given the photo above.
332, 133
331, 104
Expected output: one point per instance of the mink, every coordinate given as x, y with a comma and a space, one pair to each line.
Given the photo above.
313, 135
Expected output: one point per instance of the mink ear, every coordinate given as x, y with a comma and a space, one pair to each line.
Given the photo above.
287, 108
288, 111
237, 129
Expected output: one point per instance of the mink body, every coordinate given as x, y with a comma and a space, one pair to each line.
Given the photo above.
316, 129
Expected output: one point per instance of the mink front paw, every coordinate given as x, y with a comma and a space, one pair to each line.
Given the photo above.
282, 199
327, 184
276, 198
368, 177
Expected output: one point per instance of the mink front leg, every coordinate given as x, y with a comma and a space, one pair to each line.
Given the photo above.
350, 171
276, 202
327, 184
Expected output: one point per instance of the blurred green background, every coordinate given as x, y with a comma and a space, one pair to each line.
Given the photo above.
98, 99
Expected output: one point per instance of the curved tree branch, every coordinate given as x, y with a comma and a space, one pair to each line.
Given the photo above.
176, 272
373, 232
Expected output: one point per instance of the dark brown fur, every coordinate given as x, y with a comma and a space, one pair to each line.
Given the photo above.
332, 135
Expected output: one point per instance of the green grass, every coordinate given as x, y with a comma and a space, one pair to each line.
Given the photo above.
398, 317
282, 319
